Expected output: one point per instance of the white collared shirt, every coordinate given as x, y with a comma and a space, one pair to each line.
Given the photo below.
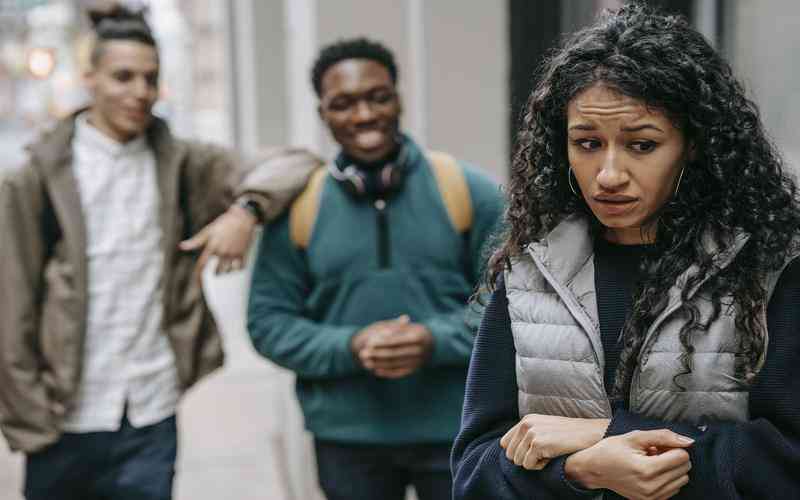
127, 356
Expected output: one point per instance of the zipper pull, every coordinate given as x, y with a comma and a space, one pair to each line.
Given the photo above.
384, 257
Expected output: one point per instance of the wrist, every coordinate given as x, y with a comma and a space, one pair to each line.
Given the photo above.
597, 431
243, 215
357, 341
246, 205
578, 470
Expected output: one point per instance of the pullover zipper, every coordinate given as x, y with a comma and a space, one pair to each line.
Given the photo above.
384, 257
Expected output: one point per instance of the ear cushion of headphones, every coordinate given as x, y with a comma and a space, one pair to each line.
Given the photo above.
391, 178
354, 182
359, 184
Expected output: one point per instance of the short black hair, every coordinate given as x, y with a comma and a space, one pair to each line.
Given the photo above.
119, 23
353, 48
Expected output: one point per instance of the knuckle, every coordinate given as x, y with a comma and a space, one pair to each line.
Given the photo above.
649, 490
661, 435
642, 471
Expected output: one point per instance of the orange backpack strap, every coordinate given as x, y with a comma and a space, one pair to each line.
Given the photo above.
303, 213
454, 189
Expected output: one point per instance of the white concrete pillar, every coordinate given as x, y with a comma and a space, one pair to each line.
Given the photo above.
301, 49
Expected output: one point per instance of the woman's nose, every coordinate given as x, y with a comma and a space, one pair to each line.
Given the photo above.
612, 175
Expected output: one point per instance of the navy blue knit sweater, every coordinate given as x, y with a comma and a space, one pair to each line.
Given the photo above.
756, 459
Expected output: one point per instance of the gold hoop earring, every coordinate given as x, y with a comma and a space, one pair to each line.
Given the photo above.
569, 181
678, 185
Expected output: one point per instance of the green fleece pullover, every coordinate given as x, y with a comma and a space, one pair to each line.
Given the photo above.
305, 305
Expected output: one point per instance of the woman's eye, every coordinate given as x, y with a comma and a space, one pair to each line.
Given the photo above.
587, 144
643, 146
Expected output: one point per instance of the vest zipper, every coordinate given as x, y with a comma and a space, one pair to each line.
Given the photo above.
384, 256
573, 306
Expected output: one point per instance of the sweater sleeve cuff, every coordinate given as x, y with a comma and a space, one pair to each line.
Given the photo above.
350, 363
552, 476
624, 421
442, 329
578, 490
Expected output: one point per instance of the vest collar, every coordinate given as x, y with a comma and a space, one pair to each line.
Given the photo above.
568, 247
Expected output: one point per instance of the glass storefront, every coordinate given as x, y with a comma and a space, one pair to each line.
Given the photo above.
44, 47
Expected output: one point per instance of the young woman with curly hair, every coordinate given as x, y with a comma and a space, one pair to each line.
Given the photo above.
643, 336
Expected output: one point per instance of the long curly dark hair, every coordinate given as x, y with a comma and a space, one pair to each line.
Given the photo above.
735, 183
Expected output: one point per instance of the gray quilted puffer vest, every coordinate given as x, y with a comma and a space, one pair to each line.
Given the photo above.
559, 362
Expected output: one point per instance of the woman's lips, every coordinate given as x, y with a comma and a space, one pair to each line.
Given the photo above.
615, 205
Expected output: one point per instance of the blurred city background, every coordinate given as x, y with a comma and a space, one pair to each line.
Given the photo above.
235, 72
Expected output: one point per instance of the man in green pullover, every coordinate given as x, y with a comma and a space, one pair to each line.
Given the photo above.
362, 288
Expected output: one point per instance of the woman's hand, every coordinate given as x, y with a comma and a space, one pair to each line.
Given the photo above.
538, 438
626, 464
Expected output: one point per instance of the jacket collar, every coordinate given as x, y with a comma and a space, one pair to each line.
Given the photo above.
566, 249
567, 256
53, 150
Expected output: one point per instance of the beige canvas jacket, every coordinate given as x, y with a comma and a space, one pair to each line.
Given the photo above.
43, 268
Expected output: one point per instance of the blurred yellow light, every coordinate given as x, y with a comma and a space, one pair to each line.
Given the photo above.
41, 62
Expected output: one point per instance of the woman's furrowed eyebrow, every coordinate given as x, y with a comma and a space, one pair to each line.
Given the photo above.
636, 128
582, 126
644, 126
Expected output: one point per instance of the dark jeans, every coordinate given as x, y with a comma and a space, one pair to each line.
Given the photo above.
357, 472
129, 464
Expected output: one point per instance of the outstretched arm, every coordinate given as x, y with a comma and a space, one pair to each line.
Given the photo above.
231, 201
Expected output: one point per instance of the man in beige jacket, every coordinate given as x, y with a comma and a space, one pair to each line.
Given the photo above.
103, 324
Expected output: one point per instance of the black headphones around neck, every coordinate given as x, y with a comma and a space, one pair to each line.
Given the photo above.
380, 183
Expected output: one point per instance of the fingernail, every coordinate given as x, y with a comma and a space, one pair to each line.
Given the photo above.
685, 439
